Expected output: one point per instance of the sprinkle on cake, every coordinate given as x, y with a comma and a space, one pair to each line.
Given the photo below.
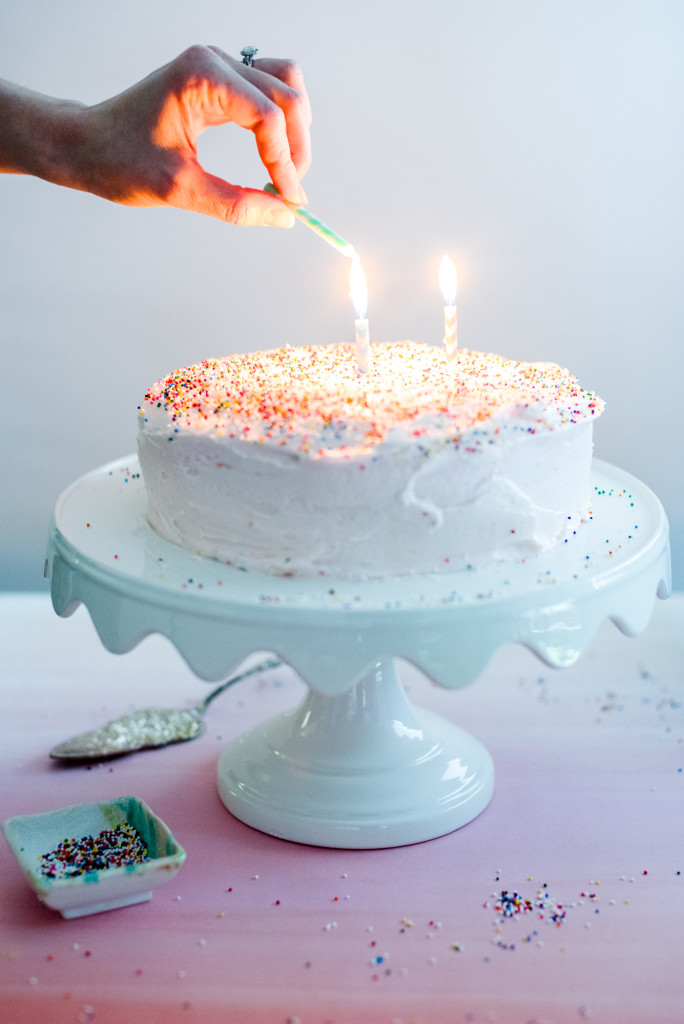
314, 398
291, 462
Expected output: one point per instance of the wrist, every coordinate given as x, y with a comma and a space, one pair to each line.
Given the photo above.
40, 135
56, 153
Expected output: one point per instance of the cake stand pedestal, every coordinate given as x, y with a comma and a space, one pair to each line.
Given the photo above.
355, 765
360, 769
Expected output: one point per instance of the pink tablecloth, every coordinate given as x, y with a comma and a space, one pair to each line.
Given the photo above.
588, 809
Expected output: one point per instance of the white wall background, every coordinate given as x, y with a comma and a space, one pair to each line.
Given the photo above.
538, 141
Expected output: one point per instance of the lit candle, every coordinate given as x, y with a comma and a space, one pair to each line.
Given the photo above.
448, 282
359, 296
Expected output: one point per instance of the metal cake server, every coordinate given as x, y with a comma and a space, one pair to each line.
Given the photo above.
147, 727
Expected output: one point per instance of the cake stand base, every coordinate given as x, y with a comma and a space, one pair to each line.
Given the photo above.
359, 770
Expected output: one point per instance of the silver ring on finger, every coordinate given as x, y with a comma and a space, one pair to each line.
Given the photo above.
248, 53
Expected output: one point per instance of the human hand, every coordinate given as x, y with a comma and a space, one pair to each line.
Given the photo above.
140, 148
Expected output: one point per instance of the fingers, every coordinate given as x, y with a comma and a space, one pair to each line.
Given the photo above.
206, 87
266, 100
296, 110
200, 192
297, 115
289, 72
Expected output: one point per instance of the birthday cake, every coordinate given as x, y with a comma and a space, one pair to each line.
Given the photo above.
291, 462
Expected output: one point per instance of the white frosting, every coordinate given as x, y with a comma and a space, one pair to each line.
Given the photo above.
405, 501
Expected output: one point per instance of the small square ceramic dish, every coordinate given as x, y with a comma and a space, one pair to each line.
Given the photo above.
33, 836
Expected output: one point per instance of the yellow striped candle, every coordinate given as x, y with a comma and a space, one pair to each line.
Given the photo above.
358, 293
448, 283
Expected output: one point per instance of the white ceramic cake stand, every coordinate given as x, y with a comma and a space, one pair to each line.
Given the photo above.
355, 765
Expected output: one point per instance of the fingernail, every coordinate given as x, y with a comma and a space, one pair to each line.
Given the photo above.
279, 217
297, 197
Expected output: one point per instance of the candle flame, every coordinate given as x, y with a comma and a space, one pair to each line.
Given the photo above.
448, 281
358, 291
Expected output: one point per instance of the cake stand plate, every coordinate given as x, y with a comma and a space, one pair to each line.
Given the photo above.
355, 765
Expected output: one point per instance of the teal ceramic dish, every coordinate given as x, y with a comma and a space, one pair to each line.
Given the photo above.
92, 890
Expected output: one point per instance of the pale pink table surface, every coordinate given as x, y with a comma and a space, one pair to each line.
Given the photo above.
589, 799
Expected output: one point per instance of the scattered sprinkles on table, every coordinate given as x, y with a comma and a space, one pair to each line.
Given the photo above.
118, 847
313, 399
510, 904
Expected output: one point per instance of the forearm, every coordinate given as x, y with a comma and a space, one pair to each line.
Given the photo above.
100, 149
38, 134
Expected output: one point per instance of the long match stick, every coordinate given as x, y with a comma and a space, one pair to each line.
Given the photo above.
321, 229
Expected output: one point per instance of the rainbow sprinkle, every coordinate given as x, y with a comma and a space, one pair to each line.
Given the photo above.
117, 847
313, 399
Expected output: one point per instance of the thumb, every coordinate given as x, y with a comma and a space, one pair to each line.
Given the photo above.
205, 193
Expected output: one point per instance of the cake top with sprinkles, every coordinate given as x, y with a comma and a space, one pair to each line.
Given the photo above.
313, 398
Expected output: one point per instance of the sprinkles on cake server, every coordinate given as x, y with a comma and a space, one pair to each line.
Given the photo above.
118, 847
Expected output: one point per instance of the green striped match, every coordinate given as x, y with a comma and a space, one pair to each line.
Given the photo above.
321, 229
